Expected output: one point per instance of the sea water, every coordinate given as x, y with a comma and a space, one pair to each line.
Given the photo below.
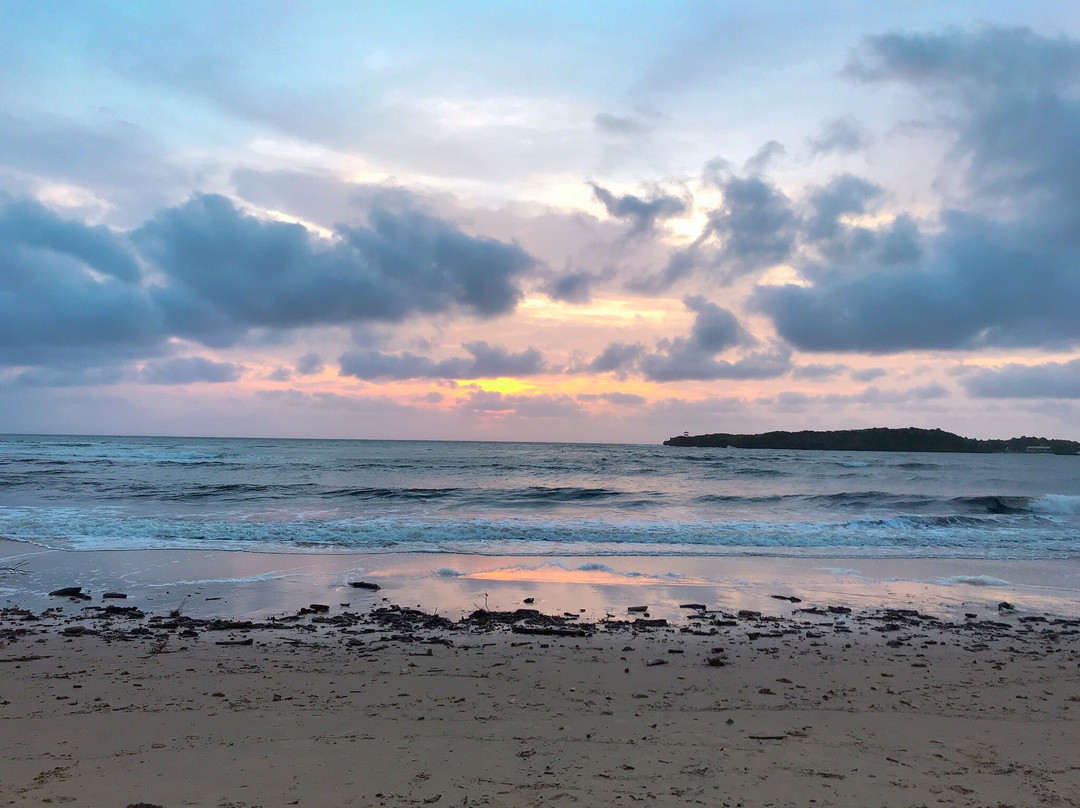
533, 499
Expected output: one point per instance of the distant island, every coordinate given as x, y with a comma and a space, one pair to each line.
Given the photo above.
879, 439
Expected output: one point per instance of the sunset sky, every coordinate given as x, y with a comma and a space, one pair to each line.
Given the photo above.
602, 221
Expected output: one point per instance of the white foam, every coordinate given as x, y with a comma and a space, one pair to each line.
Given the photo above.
1064, 504
971, 580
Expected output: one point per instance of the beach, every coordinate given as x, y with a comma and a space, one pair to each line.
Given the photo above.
240, 693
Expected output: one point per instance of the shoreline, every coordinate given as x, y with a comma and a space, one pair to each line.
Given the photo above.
249, 585
378, 704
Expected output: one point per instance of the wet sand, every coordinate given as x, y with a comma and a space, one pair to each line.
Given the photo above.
188, 700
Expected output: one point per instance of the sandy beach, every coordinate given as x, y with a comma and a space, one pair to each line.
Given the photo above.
114, 702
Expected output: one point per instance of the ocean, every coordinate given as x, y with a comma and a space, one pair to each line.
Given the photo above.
532, 499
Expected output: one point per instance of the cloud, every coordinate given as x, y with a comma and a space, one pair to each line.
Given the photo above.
69, 292
487, 362
620, 125
617, 357
191, 369
764, 157
681, 361
310, 364
229, 271
867, 374
281, 374
841, 136
870, 396
620, 399
642, 213
755, 228
816, 372
31, 226
488, 402
573, 287
73, 376
693, 357
1049, 380
999, 266
715, 329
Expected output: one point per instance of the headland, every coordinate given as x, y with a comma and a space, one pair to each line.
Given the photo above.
878, 439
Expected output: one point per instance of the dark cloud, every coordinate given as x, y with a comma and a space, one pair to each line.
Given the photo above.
69, 292
188, 370
229, 271
841, 136
816, 372
573, 287
616, 358
755, 228
642, 213
755, 225
1000, 266
843, 196
715, 329
1049, 380
856, 248
487, 362
310, 364
30, 226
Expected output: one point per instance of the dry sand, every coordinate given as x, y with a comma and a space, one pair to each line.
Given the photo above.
393, 707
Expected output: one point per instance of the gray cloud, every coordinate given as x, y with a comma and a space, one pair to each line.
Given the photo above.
694, 357
487, 362
756, 224
755, 228
642, 213
620, 399
616, 358
573, 287
1049, 380
816, 372
871, 396
621, 125
1000, 267
765, 156
187, 370
310, 364
68, 292
73, 376
843, 195
229, 271
682, 361
841, 136
281, 374
867, 374
714, 330
30, 226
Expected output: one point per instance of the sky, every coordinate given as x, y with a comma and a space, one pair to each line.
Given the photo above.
604, 221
